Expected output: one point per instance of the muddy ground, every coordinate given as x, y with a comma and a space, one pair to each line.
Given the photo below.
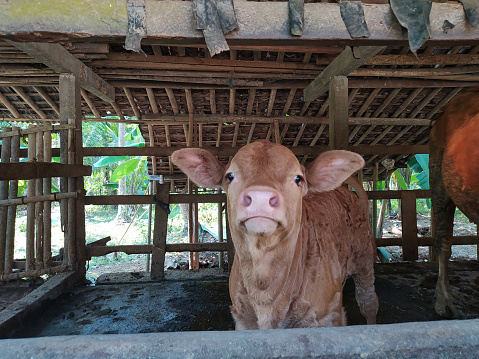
130, 303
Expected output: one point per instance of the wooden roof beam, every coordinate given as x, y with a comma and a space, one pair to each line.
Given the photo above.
48, 99
9, 106
172, 99
133, 104
59, 59
443, 103
90, 103
264, 23
29, 101
218, 118
348, 61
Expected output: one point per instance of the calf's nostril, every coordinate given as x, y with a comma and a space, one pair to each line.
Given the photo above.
274, 201
246, 200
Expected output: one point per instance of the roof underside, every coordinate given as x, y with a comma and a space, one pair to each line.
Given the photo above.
240, 95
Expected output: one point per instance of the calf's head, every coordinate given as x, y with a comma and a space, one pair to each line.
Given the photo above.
265, 183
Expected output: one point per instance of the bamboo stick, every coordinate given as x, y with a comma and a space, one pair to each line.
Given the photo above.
57, 196
34, 129
30, 245
12, 210
47, 205
39, 206
5, 157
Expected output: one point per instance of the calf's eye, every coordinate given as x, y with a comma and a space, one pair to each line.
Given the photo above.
230, 176
298, 179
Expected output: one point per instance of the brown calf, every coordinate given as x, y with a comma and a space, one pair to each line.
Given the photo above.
454, 181
297, 232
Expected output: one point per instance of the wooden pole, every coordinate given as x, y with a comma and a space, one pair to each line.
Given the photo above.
5, 157
47, 205
375, 202
196, 231
39, 219
229, 243
150, 215
220, 231
338, 113
12, 210
409, 226
159, 233
70, 113
191, 226
432, 254
30, 248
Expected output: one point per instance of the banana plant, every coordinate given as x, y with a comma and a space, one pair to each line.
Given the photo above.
128, 165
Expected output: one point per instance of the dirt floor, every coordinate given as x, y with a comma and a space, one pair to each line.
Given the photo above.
191, 301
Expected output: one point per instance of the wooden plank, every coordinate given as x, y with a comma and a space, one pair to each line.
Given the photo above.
96, 251
231, 151
409, 226
342, 65
338, 113
420, 193
147, 199
168, 21
32, 170
59, 59
159, 233
24, 310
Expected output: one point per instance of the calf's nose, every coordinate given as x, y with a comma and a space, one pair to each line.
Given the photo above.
260, 199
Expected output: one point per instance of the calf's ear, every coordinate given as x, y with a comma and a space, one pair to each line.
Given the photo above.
201, 166
331, 168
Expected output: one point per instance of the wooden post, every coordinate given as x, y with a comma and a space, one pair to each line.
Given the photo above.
70, 112
190, 226
375, 202
432, 254
39, 206
277, 138
220, 231
5, 157
196, 232
230, 247
338, 113
409, 226
159, 233
30, 249
12, 210
47, 205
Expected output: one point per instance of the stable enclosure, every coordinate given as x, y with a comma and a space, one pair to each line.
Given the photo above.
315, 75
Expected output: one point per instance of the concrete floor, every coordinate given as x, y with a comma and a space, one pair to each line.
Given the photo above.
199, 301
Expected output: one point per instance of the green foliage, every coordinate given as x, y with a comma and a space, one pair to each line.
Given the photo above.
109, 160
420, 165
124, 169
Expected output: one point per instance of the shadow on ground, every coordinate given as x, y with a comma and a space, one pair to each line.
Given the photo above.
129, 303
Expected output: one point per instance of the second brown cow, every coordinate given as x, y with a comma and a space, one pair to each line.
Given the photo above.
298, 234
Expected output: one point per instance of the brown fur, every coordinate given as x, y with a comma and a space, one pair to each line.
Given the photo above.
292, 275
454, 173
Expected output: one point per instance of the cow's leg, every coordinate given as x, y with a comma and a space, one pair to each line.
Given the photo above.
366, 294
443, 217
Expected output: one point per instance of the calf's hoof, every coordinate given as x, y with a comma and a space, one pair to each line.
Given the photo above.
446, 309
